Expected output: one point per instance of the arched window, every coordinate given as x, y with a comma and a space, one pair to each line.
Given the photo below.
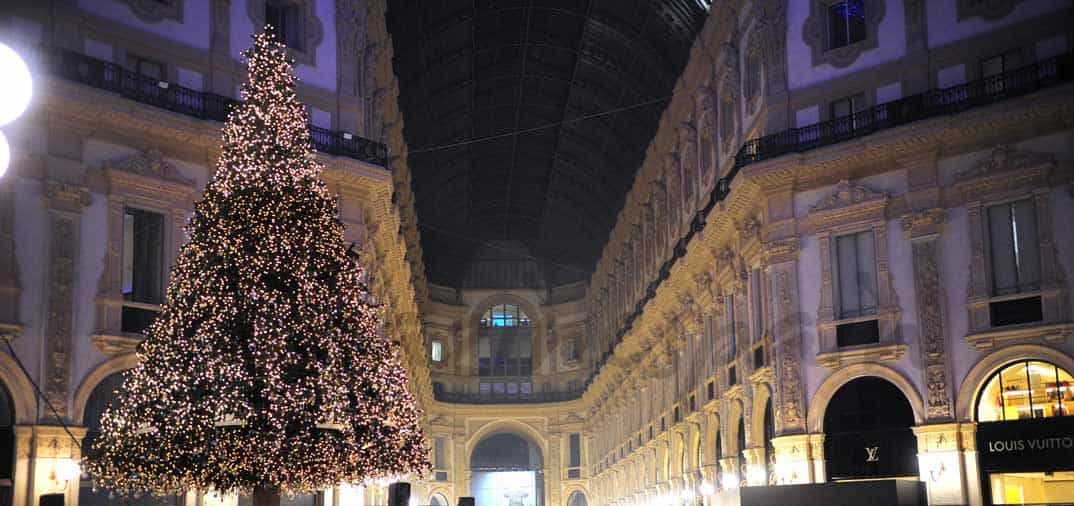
1026, 389
99, 399
438, 500
577, 499
505, 351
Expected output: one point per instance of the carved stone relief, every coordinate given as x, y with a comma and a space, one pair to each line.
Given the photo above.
65, 204
990, 10
155, 10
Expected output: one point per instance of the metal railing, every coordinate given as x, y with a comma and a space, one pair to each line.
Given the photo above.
537, 397
111, 77
930, 104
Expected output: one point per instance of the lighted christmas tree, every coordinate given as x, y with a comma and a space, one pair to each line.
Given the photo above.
265, 371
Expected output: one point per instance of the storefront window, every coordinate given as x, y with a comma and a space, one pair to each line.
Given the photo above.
1026, 389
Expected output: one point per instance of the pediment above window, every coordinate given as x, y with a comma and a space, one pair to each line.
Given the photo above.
1005, 159
848, 203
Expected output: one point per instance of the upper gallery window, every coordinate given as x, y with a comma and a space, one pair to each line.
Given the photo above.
436, 350
855, 272
504, 315
1026, 389
285, 17
143, 268
846, 23
1015, 247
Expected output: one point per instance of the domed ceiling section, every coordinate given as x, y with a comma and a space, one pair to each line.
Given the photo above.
527, 120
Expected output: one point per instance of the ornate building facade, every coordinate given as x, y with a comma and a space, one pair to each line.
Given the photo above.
844, 257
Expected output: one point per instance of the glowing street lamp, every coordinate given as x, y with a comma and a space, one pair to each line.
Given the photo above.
15, 90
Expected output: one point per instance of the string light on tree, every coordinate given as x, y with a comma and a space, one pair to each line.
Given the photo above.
265, 370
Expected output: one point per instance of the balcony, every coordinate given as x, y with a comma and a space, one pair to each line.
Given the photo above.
111, 77
533, 398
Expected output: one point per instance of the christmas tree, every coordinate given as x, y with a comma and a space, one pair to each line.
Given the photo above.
265, 371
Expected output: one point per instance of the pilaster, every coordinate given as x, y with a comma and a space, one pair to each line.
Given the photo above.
55, 450
10, 289
942, 457
793, 465
923, 229
65, 203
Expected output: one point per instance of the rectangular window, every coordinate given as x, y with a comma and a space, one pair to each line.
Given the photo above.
756, 304
843, 110
150, 69
436, 351
440, 453
285, 17
1015, 247
846, 23
855, 273
575, 450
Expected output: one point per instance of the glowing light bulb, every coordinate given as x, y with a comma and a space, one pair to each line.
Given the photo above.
16, 86
707, 488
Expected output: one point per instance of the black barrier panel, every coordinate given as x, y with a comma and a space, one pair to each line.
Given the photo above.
466, 501
875, 493
1035, 444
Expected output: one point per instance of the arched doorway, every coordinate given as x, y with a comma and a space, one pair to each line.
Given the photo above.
100, 398
577, 499
769, 450
506, 469
1024, 426
868, 432
438, 500
7, 446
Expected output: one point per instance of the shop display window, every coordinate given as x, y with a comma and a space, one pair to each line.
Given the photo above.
1026, 389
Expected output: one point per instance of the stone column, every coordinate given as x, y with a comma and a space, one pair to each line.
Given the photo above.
65, 203
793, 465
781, 269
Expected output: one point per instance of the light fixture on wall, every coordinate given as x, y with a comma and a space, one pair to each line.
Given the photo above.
66, 470
707, 488
15, 90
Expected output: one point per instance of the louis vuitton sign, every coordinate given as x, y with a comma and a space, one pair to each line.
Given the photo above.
1041, 444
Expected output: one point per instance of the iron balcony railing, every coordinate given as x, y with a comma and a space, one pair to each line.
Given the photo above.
111, 77
1019, 82
468, 398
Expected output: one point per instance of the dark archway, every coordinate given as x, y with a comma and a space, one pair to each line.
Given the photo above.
868, 432
769, 450
577, 499
102, 396
7, 445
507, 467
